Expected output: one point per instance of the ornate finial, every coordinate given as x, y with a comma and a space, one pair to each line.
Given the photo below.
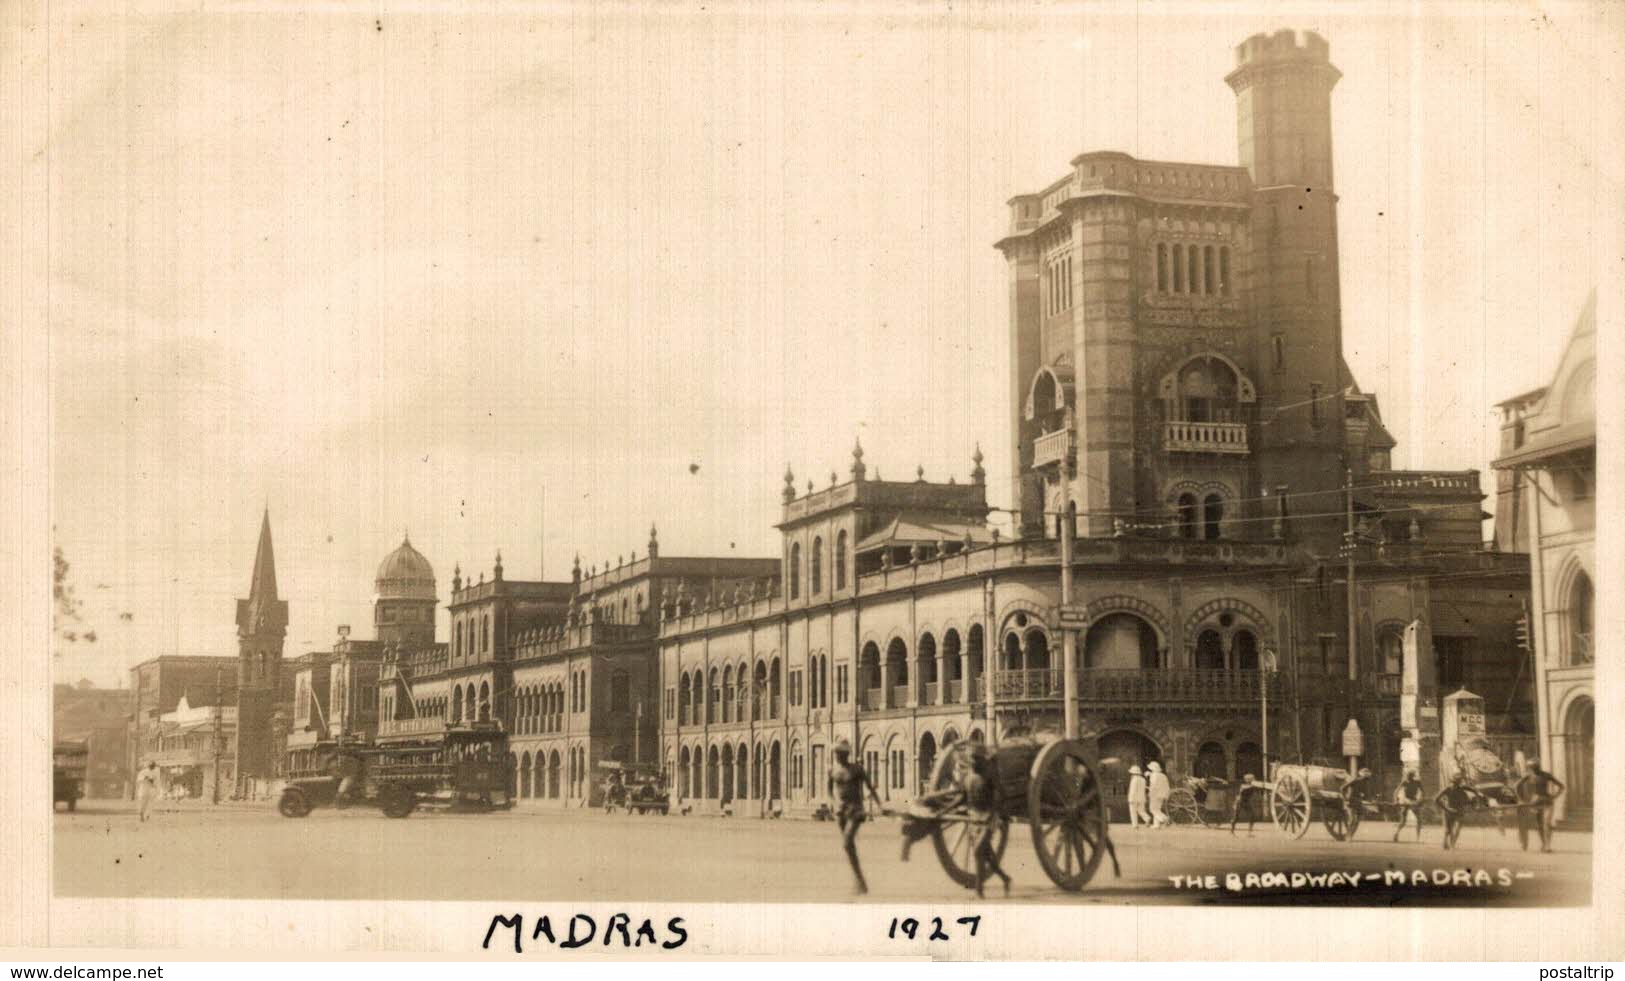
858, 469
575, 570
832, 478
406, 534
789, 493
456, 576
809, 487
970, 542
919, 474
996, 536
977, 474
496, 572
617, 561
654, 543
916, 553
482, 579
885, 558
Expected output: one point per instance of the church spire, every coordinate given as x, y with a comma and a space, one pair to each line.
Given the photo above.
263, 585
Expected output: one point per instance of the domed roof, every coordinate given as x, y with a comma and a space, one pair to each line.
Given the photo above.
405, 574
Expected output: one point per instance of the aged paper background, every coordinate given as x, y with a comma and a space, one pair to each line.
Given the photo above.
222, 209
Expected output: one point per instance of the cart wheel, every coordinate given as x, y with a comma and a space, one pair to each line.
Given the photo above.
955, 841
1336, 821
293, 804
1289, 805
1182, 808
1067, 814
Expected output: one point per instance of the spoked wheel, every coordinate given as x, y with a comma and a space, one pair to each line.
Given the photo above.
1289, 805
1335, 818
1067, 814
955, 840
1182, 808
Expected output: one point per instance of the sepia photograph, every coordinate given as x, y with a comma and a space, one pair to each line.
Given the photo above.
895, 458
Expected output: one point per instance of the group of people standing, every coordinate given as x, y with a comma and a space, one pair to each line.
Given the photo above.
1148, 791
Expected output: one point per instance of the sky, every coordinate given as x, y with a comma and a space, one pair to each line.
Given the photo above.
503, 279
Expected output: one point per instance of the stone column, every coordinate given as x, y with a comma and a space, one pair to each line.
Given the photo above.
942, 677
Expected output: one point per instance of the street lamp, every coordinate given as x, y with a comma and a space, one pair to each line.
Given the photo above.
1266, 667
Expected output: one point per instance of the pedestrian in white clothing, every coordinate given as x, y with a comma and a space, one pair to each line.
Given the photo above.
1159, 791
146, 788
1138, 812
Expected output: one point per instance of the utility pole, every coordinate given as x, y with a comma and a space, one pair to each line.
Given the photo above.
218, 695
1350, 599
1069, 636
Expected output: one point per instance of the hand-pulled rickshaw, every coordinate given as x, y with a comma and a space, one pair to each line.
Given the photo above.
1053, 785
464, 766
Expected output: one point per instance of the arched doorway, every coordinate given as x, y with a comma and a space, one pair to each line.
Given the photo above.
774, 764
683, 787
524, 774
1211, 761
1129, 748
713, 783
741, 768
1122, 641
1579, 757
727, 781
869, 677
928, 760
553, 764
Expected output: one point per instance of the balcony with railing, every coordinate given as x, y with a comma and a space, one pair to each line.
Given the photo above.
1184, 436
953, 692
1051, 448
872, 699
1113, 686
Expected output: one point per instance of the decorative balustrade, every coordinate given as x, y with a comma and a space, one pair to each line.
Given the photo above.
1454, 481
953, 691
1118, 686
420, 726
1387, 685
872, 699
899, 696
1205, 437
1051, 447
930, 695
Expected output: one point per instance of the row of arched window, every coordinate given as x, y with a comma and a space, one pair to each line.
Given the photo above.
539, 708
884, 682
466, 642
815, 565
735, 695
466, 707
1202, 270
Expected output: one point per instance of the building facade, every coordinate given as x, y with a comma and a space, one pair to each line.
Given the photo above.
100, 718
1547, 480
262, 629
1176, 359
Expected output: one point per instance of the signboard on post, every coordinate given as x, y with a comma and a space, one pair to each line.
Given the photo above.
1353, 739
1076, 617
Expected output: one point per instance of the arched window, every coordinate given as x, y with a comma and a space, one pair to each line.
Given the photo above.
1178, 254
1208, 285
795, 570
816, 576
869, 678
953, 669
1391, 651
1207, 391
840, 559
1245, 648
1212, 514
1162, 268
682, 700
1210, 651
727, 693
1187, 516
925, 653
1122, 641
485, 701
1580, 619
485, 634
457, 704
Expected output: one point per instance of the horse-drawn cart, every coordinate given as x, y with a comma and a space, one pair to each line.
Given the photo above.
1054, 786
1303, 792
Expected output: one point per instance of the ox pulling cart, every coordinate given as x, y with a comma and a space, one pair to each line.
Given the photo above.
1052, 785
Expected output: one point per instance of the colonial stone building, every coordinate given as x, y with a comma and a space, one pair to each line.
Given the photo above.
1176, 358
1547, 477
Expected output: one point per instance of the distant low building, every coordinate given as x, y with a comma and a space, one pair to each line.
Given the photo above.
194, 745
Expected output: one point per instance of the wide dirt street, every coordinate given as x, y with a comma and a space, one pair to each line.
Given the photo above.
247, 851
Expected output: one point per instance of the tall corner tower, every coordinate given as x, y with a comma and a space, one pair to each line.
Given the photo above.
1283, 84
404, 605
262, 620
